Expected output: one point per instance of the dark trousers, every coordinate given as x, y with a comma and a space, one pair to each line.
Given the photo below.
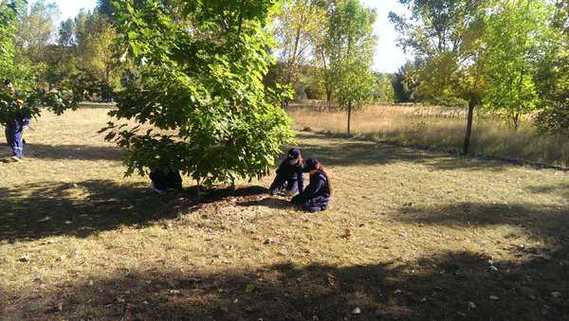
314, 204
15, 139
283, 183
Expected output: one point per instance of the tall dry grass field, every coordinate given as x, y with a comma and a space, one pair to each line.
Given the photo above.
440, 128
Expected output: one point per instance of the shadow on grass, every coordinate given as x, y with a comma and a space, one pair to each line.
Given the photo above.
38, 210
35, 211
271, 202
549, 223
73, 152
539, 276
364, 150
561, 189
451, 286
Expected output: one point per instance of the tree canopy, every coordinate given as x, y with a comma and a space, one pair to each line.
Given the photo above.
199, 101
347, 52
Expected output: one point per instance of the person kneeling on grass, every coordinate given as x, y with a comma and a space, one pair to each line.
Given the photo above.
289, 174
165, 178
317, 194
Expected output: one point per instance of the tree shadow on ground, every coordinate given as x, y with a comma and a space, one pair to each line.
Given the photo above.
541, 222
35, 211
271, 202
39, 210
72, 152
561, 189
342, 152
545, 266
354, 151
451, 286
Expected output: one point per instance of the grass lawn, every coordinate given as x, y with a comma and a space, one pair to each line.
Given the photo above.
411, 235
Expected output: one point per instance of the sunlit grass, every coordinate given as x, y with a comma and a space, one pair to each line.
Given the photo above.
411, 235
443, 129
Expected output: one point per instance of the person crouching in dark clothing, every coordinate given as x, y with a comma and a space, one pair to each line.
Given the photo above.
164, 179
316, 196
289, 174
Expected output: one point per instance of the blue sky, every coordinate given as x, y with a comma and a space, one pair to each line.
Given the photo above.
388, 56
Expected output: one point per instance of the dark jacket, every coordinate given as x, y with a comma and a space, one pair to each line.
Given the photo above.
166, 178
318, 187
19, 120
290, 172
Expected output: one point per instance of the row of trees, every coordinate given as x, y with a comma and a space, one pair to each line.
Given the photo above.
334, 37
506, 56
76, 53
200, 78
19, 68
325, 49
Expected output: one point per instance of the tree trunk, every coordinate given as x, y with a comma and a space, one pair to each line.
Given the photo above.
471, 105
293, 60
516, 120
329, 99
349, 118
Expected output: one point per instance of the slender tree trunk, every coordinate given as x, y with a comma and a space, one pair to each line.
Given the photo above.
516, 120
292, 65
108, 84
349, 118
329, 99
471, 105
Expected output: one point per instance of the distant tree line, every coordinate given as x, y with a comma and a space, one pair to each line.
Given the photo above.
77, 52
507, 57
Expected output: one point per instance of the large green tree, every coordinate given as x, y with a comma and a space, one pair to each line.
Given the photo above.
295, 24
35, 29
95, 36
35, 47
29, 98
347, 54
516, 39
553, 75
8, 18
20, 73
199, 102
445, 36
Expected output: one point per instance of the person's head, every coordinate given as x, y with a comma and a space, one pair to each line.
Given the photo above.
294, 156
312, 166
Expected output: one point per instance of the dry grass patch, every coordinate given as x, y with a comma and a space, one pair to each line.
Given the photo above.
411, 235
442, 129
